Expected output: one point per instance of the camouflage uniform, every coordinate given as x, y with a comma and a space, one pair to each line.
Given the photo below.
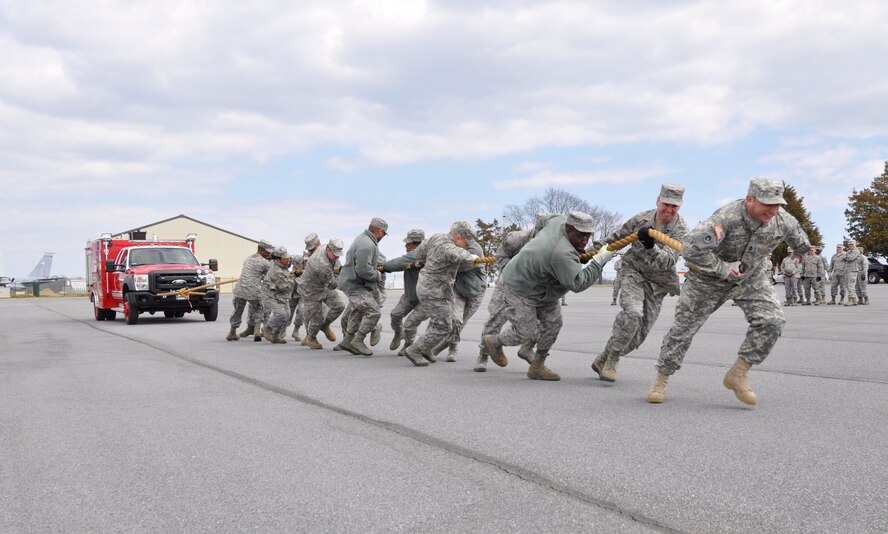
648, 275
277, 286
408, 301
317, 287
378, 294
862, 281
358, 279
618, 269
471, 282
790, 267
837, 269
852, 273
812, 269
730, 235
441, 258
820, 286
247, 289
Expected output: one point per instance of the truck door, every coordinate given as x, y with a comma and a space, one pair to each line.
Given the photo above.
118, 277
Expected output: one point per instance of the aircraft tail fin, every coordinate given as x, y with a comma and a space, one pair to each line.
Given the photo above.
44, 266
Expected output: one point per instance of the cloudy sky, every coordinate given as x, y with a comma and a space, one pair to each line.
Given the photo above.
274, 119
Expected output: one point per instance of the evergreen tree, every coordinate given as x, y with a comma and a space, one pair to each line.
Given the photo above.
490, 235
795, 207
867, 216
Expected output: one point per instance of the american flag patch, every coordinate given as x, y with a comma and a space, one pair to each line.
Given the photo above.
719, 232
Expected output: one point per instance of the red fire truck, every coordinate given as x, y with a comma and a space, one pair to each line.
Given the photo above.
127, 276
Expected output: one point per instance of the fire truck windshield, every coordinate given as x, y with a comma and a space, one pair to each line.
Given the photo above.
160, 256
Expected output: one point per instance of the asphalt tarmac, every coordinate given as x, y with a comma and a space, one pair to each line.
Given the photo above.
166, 426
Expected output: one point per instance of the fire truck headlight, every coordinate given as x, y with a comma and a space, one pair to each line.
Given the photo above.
209, 278
141, 281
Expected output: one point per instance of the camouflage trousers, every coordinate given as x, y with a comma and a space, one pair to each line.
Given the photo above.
641, 303
463, 310
278, 314
528, 319
295, 310
837, 285
439, 312
313, 311
820, 288
618, 283
849, 284
364, 313
401, 309
861, 286
701, 296
809, 285
791, 285
255, 316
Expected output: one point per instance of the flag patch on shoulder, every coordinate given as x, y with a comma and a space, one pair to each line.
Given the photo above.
719, 232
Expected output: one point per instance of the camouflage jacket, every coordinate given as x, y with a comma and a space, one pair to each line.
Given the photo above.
442, 258
768, 266
790, 266
852, 261
359, 270
411, 276
317, 277
547, 267
657, 264
471, 280
836, 263
730, 235
510, 246
252, 272
813, 266
278, 284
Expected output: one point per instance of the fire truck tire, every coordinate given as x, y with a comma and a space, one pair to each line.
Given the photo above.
212, 312
130, 309
110, 315
169, 314
98, 312
179, 314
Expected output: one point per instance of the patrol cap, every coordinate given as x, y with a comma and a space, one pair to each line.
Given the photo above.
672, 194
311, 240
267, 246
378, 222
583, 222
464, 229
767, 190
852, 242
415, 236
335, 246
279, 252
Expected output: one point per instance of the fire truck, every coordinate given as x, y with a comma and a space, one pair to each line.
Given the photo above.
131, 276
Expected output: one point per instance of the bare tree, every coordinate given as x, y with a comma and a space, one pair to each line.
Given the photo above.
561, 202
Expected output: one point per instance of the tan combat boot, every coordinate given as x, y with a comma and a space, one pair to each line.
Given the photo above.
539, 371
296, 334
598, 364
257, 332
851, 301
414, 355
331, 335
831, 302
277, 337
657, 393
481, 363
525, 352
346, 344
248, 331
232, 334
735, 379
376, 335
495, 350
266, 333
357, 344
311, 342
609, 372
451, 352
396, 340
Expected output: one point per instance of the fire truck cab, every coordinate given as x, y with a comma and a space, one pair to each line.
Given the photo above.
129, 276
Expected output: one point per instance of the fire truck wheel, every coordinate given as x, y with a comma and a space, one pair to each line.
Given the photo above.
110, 315
99, 312
130, 309
212, 312
169, 314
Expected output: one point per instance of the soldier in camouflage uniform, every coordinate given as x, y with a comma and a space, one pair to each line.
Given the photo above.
813, 270
648, 275
468, 292
852, 272
724, 255
277, 286
820, 286
359, 278
837, 269
618, 269
379, 294
790, 267
862, 281
298, 264
442, 255
317, 287
408, 301
246, 291
534, 281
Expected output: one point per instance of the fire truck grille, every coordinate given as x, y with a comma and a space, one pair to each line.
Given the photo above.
171, 281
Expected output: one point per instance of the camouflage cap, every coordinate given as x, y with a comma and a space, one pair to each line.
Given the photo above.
279, 252
583, 222
415, 236
672, 194
267, 246
335, 245
464, 229
852, 242
767, 191
311, 240
378, 222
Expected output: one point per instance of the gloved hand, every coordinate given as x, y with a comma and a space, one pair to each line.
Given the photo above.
862, 277
734, 270
418, 265
818, 278
603, 256
646, 238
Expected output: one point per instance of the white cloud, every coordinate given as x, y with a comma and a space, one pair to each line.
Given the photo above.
611, 176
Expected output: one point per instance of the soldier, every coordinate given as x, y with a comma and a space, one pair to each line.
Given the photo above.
277, 286
618, 268
468, 292
358, 278
852, 272
379, 294
317, 287
534, 281
648, 275
247, 291
311, 245
863, 272
790, 267
408, 300
724, 254
813, 270
820, 286
442, 255
837, 270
